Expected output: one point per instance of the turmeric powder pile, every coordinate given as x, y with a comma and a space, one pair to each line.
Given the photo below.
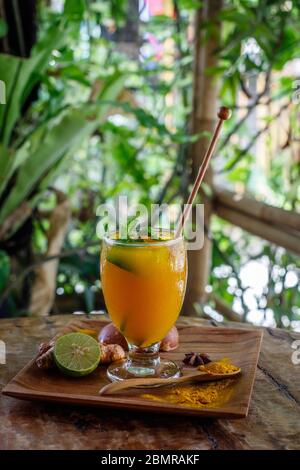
196, 395
209, 394
223, 366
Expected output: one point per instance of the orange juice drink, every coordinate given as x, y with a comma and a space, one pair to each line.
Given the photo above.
144, 288
143, 284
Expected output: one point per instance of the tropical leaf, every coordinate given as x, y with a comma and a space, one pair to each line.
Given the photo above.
20, 76
5, 164
10, 69
10, 162
74, 126
74, 10
4, 270
3, 28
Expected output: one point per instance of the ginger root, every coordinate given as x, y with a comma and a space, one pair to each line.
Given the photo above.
111, 353
45, 359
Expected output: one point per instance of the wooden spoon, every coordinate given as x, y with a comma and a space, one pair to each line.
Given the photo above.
115, 387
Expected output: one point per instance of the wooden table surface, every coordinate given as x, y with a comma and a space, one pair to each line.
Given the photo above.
273, 421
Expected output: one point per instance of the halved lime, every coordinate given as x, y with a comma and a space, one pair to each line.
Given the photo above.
76, 354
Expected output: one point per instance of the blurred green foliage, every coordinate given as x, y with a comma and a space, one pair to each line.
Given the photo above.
141, 149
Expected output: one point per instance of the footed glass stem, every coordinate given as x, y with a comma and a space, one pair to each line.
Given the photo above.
143, 362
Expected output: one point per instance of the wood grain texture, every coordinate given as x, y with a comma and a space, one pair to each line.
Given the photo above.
272, 422
241, 346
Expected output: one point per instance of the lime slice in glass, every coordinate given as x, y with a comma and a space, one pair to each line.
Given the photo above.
121, 257
76, 354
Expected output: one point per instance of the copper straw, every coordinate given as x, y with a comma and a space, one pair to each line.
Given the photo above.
223, 114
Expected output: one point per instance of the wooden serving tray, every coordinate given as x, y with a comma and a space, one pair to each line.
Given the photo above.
241, 346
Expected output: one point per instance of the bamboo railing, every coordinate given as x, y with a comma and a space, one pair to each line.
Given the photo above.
275, 225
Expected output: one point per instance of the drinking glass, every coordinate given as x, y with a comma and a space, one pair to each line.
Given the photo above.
143, 283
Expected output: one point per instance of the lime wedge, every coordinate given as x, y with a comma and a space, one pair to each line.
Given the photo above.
118, 262
121, 257
76, 354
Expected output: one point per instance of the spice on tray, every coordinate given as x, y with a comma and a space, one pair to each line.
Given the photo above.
111, 353
223, 366
196, 395
209, 394
45, 357
196, 359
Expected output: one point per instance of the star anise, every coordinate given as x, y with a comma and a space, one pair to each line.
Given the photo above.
196, 359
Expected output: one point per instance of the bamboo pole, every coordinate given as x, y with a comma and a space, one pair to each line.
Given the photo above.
261, 229
265, 213
205, 104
